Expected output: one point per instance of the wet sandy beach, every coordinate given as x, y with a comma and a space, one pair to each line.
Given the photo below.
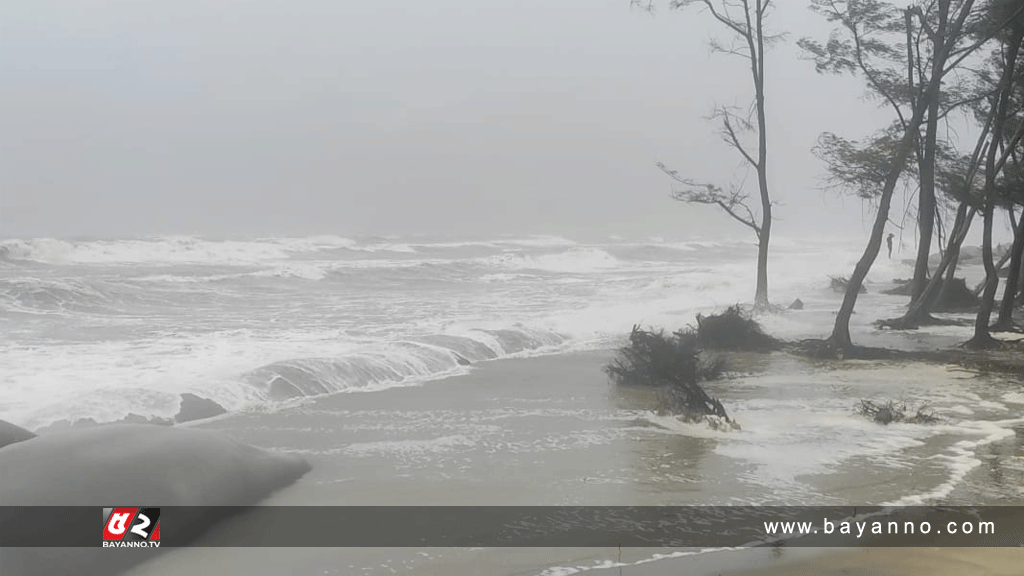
551, 431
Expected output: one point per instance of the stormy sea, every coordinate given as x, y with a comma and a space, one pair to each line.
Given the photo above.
429, 370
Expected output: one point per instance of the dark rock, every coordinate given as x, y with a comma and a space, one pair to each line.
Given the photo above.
197, 408
9, 434
462, 361
797, 305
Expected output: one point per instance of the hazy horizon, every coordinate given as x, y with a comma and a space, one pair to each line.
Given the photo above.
447, 118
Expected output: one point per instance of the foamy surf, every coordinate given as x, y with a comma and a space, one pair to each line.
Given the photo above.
104, 329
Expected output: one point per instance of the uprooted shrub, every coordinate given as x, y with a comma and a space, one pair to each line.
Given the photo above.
693, 405
902, 287
840, 283
653, 359
733, 330
890, 411
674, 365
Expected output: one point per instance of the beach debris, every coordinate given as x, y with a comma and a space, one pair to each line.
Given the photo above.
797, 304
654, 359
197, 408
891, 411
840, 283
733, 330
901, 287
673, 365
645, 423
721, 424
689, 401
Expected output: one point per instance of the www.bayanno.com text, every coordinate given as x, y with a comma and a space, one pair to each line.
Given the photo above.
877, 528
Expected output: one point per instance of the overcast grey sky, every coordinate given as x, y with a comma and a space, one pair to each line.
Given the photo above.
229, 117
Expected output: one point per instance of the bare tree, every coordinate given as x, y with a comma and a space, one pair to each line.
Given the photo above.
744, 21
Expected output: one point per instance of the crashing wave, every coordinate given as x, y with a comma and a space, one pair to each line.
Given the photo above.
166, 250
575, 261
400, 363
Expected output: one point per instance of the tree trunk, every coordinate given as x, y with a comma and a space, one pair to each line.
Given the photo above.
761, 292
982, 336
764, 237
952, 257
926, 196
1005, 321
1020, 283
922, 306
950, 271
926, 209
999, 266
841, 330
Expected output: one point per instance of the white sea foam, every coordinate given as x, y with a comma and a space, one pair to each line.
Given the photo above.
960, 459
137, 322
166, 250
1013, 397
304, 271
542, 241
575, 260
412, 447
385, 247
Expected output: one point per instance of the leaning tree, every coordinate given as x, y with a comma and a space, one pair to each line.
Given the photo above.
867, 29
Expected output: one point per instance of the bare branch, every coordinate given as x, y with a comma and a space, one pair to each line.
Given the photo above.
693, 192
730, 137
724, 18
645, 5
